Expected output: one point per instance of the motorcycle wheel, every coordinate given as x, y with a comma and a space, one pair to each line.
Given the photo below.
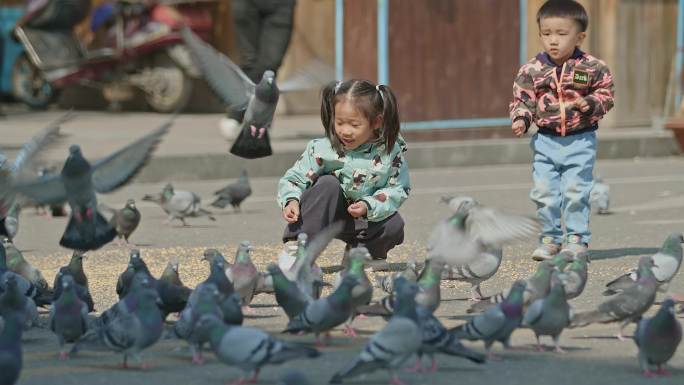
29, 86
171, 88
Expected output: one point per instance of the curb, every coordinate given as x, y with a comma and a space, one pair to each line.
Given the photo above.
461, 153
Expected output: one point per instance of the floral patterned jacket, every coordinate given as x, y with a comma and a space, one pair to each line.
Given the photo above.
536, 96
366, 174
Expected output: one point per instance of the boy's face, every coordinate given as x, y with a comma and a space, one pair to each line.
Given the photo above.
560, 36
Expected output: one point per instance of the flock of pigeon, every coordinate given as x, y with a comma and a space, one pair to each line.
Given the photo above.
466, 246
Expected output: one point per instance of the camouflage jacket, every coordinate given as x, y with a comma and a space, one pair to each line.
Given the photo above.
366, 174
536, 98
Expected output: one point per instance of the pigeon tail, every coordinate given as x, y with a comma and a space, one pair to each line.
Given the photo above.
251, 147
73, 239
356, 368
456, 348
590, 317
221, 202
293, 351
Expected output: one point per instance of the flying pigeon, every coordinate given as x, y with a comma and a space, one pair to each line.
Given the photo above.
79, 181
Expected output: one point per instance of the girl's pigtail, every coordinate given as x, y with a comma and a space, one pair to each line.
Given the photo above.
328, 113
390, 117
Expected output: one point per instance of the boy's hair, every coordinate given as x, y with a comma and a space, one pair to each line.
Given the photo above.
371, 100
564, 8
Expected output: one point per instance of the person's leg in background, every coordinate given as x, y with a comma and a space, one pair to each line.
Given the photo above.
276, 30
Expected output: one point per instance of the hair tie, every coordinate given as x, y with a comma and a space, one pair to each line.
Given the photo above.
337, 86
382, 97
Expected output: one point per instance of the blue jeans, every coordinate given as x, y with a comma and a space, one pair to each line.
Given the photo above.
562, 170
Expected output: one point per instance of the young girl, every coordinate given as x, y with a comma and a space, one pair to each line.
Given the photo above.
356, 174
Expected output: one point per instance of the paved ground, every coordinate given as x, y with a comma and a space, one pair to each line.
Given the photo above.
648, 203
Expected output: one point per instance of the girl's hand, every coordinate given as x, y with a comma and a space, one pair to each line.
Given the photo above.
582, 104
291, 211
357, 209
518, 127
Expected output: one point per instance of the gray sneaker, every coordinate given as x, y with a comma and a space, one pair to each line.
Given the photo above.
574, 245
545, 250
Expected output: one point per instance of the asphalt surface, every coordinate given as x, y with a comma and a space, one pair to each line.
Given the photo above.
647, 204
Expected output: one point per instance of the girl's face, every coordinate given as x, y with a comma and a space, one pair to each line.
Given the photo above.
351, 125
560, 36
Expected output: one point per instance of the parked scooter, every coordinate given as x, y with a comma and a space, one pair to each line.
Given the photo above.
144, 52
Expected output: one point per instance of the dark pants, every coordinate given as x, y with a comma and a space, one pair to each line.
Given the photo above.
262, 30
324, 203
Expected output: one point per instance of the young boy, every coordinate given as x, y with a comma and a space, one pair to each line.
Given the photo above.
565, 92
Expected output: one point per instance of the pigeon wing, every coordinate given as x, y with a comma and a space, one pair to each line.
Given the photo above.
494, 227
118, 168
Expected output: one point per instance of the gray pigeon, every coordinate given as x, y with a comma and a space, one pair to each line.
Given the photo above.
302, 267
79, 181
234, 193
629, 305
667, 262
324, 314
362, 293
18, 264
68, 316
576, 275
248, 348
229, 300
25, 287
498, 322
548, 316
12, 221
386, 282
237, 91
394, 344
82, 292
472, 229
243, 274
437, 339
429, 292
287, 293
600, 196
10, 347
129, 326
11, 172
13, 300
204, 302
476, 272
171, 273
179, 204
537, 287
124, 220
658, 338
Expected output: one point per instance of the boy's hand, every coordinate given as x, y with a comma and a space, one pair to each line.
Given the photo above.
518, 127
291, 211
357, 209
582, 104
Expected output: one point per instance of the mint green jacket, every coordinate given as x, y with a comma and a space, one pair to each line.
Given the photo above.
366, 174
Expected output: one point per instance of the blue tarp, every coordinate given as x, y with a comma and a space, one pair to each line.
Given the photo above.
10, 49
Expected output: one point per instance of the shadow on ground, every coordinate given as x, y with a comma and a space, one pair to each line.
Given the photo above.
621, 252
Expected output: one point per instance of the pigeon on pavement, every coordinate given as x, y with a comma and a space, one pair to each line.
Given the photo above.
124, 220
629, 305
234, 193
498, 322
10, 347
600, 195
476, 272
548, 316
362, 293
68, 315
658, 338
179, 204
248, 348
394, 344
243, 274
